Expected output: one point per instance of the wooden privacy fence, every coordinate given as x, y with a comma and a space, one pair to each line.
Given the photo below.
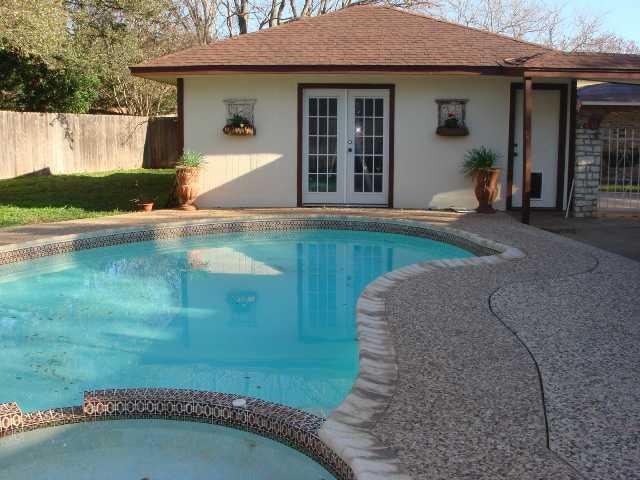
60, 143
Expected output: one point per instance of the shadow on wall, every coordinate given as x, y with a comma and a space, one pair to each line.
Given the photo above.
272, 184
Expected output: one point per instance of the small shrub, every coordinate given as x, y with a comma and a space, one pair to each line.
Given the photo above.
479, 159
191, 159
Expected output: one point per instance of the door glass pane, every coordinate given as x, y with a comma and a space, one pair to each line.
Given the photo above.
332, 183
377, 183
379, 107
358, 164
323, 145
368, 183
322, 164
322, 183
333, 107
368, 107
359, 107
368, 164
322, 107
357, 183
313, 183
377, 167
332, 164
368, 169
333, 125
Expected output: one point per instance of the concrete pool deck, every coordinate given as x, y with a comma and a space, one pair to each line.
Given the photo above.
497, 362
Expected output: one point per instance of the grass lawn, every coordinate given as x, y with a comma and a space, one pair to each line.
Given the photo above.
26, 200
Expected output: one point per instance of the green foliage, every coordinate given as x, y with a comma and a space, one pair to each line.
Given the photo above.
31, 85
238, 121
191, 159
479, 159
26, 200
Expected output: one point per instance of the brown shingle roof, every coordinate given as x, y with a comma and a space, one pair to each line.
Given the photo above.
365, 37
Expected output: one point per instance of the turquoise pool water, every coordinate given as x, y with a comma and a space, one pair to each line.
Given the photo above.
153, 450
269, 315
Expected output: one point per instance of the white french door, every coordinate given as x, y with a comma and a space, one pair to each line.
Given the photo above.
345, 151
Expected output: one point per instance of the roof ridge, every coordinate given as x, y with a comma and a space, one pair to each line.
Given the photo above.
459, 25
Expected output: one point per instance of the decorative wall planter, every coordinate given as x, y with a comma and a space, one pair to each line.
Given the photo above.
452, 117
244, 131
452, 131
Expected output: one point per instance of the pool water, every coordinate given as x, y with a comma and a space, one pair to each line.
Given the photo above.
268, 314
153, 450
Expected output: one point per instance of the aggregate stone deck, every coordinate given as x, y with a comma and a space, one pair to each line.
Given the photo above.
525, 369
472, 343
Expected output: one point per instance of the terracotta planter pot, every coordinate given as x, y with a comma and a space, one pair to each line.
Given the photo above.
187, 186
146, 206
486, 189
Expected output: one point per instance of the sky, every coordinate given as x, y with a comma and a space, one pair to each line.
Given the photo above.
620, 16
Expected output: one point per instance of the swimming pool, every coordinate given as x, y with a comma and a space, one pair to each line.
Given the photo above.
263, 314
150, 449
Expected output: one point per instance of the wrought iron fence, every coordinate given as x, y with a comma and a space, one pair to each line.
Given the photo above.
619, 188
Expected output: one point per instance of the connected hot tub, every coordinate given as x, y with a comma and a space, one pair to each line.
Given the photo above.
152, 450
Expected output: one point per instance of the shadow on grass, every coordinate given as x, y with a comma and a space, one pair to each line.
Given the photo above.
102, 192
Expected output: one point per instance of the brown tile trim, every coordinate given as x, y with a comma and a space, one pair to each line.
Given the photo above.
290, 426
346, 432
71, 243
358, 86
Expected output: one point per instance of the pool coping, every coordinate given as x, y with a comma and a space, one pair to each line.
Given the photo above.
347, 430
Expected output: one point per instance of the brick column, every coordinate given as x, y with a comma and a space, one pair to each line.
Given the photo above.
587, 172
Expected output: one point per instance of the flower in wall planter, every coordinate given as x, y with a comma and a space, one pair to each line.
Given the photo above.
480, 164
187, 175
239, 126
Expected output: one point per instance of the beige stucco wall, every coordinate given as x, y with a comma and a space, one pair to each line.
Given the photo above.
261, 170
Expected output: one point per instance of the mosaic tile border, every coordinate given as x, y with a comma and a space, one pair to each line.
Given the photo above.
290, 426
70, 243
353, 450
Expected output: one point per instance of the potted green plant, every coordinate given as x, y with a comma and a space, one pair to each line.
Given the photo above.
143, 202
187, 176
480, 164
239, 126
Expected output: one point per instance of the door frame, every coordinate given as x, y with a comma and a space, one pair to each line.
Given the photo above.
562, 141
346, 86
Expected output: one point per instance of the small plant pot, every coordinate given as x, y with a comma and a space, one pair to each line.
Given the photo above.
187, 187
146, 206
486, 189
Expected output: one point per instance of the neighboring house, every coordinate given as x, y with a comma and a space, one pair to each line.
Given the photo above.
347, 108
610, 105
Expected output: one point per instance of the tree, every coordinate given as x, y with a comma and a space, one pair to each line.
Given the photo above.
536, 21
31, 85
110, 35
